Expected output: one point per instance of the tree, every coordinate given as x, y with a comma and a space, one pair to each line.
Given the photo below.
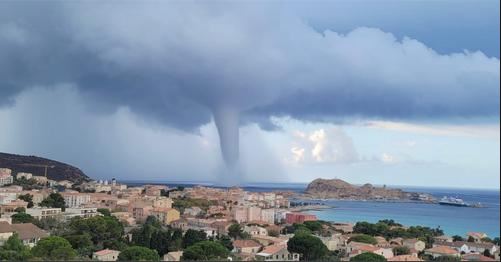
447, 258
104, 211
362, 238
368, 257
496, 241
82, 244
314, 226
487, 253
206, 250
20, 210
401, 250
471, 239
457, 238
21, 218
53, 248
235, 231
27, 198
104, 231
137, 253
273, 232
308, 246
193, 236
54, 200
14, 249
226, 242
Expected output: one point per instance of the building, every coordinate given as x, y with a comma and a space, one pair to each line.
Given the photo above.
438, 251
106, 255
256, 230
477, 236
26, 176
246, 246
45, 212
42, 180
239, 214
253, 213
192, 211
268, 215
277, 252
405, 258
6, 178
476, 257
12, 206
165, 215
291, 218
173, 256
75, 199
357, 248
27, 232
414, 243
83, 212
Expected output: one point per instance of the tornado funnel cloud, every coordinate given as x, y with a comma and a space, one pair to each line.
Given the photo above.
227, 122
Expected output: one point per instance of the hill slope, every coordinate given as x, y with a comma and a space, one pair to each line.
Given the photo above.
60, 171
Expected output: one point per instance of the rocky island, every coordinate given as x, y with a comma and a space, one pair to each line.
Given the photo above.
339, 189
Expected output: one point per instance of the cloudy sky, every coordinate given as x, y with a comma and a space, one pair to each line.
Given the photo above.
386, 92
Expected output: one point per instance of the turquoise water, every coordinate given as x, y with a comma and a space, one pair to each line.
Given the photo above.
453, 220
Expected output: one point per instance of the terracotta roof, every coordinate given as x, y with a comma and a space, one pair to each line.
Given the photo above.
245, 243
476, 257
105, 252
270, 250
405, 258
442, 250
25, 231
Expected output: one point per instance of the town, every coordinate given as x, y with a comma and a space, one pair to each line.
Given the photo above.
46, 219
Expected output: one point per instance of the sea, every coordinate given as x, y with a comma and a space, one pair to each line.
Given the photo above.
452, 220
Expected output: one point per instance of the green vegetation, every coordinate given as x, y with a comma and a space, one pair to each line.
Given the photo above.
137, 253
22, 217
54, 248
308, 246
236, 232
182, 203
401, 250
447, 258
152, 235
368, 257
104, 211
104, 232
54, 200
362, 238
27, 184
14, 249
425, 234
192, 237
205, 251
27, 198
457, 238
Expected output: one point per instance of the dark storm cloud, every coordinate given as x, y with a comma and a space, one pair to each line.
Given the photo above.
177, 63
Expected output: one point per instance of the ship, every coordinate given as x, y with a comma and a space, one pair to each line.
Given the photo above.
453, 201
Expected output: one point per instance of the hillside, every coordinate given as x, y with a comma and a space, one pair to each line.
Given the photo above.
59, 171
339, 189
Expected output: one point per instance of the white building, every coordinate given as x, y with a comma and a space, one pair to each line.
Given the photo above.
268, 215
83, 212
75, 199
5, 177
44, 212
26, 176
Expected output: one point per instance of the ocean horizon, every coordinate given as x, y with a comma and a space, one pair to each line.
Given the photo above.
452, 220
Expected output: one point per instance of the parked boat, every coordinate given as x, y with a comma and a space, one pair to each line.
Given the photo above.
453, 201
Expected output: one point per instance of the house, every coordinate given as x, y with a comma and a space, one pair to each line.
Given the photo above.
334, 242
291, 218
477, 236
414, 243
277, 252
470, 247
397, 241
180, 224
27, 232
26, 176
75, 199
246, 246
476, 257
438, 251
405, 258
192, 211
106, 255
442, 239
83, 212
165, 215
6, 178
256, 230
356, 248
173, 256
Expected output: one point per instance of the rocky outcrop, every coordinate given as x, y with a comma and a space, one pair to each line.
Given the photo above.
339, 189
